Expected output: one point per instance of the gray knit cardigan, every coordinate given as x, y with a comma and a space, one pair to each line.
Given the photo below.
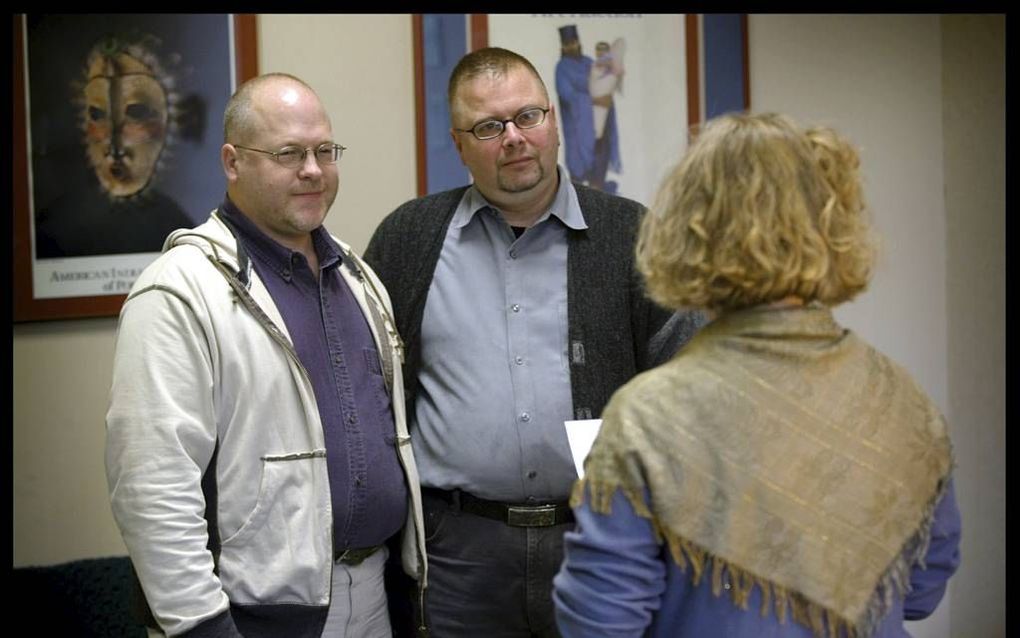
615, 331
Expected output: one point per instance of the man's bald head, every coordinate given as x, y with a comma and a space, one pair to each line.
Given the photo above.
240, 120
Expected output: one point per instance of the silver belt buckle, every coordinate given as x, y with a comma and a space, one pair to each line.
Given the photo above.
537, 516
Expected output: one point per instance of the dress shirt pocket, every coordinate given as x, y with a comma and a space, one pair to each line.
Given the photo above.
375, 369
563, 332
372, 361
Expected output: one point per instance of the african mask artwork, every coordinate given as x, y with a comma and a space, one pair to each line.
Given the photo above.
127, 115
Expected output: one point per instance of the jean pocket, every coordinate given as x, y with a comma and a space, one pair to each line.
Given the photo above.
434, 518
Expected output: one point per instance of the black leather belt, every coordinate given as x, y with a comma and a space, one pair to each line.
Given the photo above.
513, 514
354, 556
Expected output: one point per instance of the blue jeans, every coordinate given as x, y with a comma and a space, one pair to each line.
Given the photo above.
487, 578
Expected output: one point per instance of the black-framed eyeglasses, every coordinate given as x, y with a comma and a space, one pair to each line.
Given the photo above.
488, 129
294, 156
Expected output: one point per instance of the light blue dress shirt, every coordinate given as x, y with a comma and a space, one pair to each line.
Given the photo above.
495, 379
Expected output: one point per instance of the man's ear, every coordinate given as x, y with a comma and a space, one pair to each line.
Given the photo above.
555, 126
228, 157
457, 143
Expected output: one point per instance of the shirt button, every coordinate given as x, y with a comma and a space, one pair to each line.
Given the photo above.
532, 474
513, 254
516, 307
519, 360
525, 417
337, 359
351, 418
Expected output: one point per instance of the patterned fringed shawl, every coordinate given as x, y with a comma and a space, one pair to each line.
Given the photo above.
781, 452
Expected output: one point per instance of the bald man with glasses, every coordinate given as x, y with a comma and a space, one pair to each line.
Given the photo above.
256, 439
521, 309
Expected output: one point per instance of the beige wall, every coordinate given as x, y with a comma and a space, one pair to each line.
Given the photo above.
923, 97
974, 117
877, 79
61, 380
903, 87
362, 67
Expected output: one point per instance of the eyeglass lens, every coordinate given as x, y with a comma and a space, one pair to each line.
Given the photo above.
493, 128
324, 154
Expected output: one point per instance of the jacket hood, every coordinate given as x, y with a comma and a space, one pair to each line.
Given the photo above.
213, 237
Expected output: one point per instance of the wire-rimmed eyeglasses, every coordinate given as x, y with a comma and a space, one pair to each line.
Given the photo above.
294, 156
488, 129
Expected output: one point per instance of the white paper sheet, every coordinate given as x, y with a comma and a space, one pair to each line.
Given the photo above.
580, 436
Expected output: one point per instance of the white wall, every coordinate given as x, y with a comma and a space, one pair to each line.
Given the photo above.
912, 91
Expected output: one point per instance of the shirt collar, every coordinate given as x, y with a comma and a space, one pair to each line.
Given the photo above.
275, 255
564, 206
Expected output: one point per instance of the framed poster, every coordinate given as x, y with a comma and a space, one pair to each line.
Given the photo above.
627, 88
118, 122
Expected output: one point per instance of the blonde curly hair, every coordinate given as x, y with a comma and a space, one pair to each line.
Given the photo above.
756, 211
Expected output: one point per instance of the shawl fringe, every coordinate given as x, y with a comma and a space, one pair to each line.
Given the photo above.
823, 622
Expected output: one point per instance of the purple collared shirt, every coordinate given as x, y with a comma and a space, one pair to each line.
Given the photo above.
334, 344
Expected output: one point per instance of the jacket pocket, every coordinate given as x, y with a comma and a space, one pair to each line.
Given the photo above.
275, 475
278, 554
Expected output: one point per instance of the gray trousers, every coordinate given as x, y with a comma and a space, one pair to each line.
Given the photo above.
357, 607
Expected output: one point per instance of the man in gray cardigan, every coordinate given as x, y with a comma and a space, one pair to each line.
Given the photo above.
521, 308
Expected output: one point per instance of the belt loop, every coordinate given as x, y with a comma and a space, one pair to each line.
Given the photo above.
455, 496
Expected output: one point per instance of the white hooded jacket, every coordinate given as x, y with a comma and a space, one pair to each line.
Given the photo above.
204, 365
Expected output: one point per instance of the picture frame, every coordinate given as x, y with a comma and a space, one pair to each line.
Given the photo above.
681, 70
189, 62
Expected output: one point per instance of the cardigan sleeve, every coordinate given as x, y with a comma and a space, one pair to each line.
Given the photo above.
672, 336
381, 250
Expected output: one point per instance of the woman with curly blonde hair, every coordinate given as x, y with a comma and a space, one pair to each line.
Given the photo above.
779, 476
